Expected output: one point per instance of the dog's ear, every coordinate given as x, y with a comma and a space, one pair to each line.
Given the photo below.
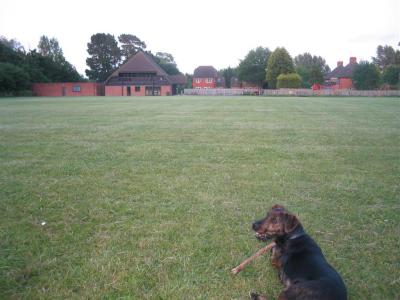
278, 207
290, 223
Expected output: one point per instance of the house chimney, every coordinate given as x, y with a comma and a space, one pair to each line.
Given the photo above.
353, 60
340, 64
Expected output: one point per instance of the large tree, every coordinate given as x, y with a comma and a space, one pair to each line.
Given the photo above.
44, 69
228, 74
189, 81
60, 69
51, 48
386, 56
366, 76
166, 62
130, 45
279, 62
104, 56
252, 67
391, 75
311, 69
11, 54
12, 44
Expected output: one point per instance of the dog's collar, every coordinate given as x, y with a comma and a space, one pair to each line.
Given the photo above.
297, 234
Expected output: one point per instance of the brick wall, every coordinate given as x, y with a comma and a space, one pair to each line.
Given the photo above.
113, 91
202, 83
166, 90
69, 89
345, 83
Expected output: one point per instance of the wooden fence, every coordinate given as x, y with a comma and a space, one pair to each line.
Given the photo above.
222, 92
292, 92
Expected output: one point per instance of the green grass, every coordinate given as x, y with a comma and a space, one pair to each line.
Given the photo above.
153, 198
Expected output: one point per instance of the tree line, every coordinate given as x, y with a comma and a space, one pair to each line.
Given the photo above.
270, 69
20, 68
277, 69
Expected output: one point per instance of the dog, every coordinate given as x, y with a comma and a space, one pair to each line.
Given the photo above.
301, 265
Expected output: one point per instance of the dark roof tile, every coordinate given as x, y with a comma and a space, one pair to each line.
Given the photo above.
143, 63
342, 72
177, 79
205, 72
347, 71
139, 63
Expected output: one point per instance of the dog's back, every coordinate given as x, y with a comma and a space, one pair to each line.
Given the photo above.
306, 273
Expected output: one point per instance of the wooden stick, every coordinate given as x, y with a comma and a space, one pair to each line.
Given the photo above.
253, 257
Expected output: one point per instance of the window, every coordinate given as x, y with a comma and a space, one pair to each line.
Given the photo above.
137, 88
153, 91
198, 80
209, 80
76, 88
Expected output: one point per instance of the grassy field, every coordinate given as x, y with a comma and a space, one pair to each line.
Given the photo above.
153, 198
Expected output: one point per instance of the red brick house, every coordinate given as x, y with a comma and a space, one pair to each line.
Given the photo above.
341, 77
70, 89
207, 77
140, 75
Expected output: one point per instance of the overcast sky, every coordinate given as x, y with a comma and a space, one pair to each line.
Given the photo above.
210, 32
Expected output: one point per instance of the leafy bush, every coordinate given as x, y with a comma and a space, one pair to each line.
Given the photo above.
391, 75
311, 69
25, 93
13, 79
366, 76
291, 80
252, 67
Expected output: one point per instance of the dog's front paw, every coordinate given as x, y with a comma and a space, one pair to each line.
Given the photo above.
255, 296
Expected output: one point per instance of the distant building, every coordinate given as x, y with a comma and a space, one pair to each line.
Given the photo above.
341, 77
238, 84
140, 75
207, 77
69, 89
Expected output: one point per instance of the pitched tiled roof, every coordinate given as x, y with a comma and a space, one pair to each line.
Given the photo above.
347, 71
140, 65
335, 72
342, 72
177, 79
205, 72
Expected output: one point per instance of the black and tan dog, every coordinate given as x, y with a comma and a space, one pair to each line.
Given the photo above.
302, 267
